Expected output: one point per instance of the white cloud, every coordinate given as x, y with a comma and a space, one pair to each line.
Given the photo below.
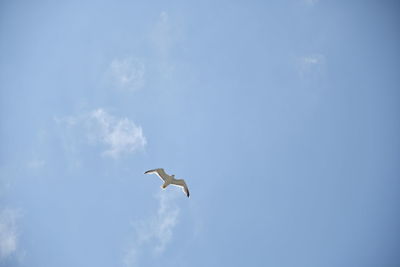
311, 65
127, 73
8, 233
119, 136
155, 233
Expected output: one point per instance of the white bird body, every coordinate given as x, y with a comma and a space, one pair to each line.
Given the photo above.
169, 179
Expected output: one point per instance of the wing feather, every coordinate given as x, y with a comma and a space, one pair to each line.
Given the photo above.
159, 172
181, 183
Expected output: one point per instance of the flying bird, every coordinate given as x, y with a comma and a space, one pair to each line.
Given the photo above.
169, 179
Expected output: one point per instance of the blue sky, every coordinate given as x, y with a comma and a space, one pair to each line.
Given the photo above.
282, 116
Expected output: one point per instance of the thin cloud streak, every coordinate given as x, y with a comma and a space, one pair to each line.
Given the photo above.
162, 35
154, 234
165, 37
8, 233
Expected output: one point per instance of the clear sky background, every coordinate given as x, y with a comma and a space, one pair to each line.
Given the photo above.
282, 116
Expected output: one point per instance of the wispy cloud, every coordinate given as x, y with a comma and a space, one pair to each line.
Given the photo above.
8, 233
162, 34
165, 37
312, 74
311, 2
36, 164
127, 73
154, 234
311, 65
119, 136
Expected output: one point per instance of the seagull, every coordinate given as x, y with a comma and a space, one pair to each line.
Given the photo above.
169, 179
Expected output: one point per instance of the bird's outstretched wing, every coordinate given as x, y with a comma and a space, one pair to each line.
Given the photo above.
181, 183
160, 173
